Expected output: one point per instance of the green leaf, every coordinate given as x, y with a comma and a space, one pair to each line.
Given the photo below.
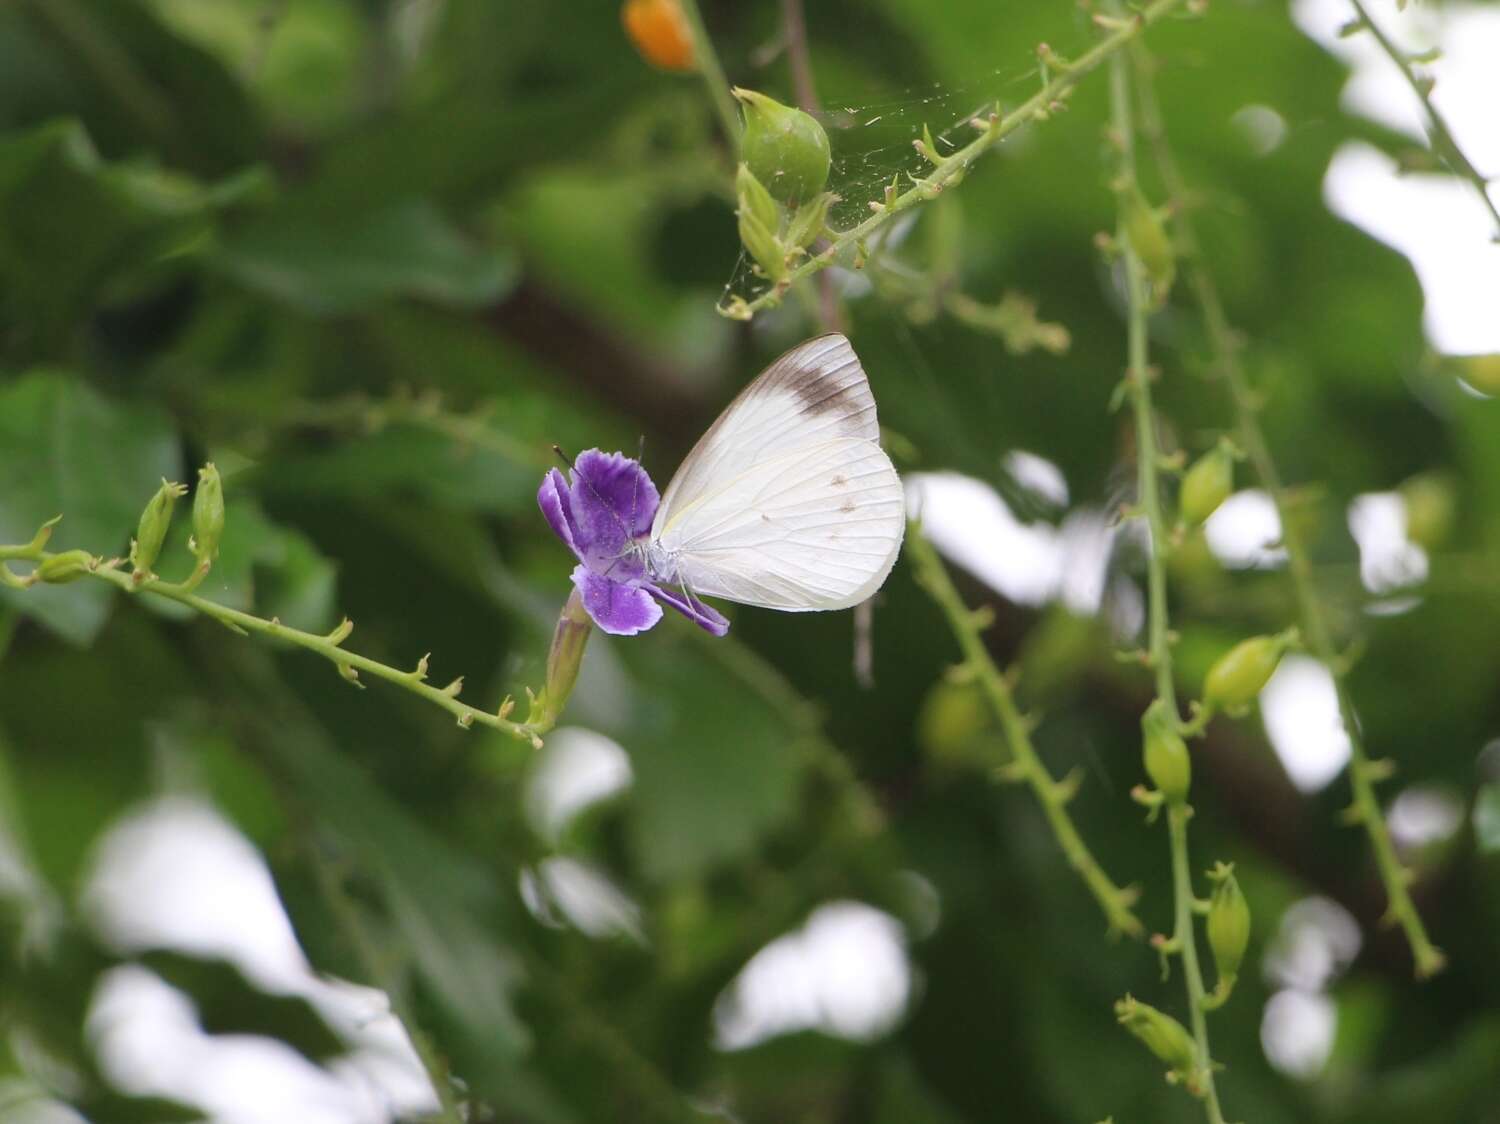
328, 264
71, 452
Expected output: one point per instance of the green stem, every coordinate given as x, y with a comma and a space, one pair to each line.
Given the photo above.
1053, 795
326, 646
1442, 136
1316, 633
952, 168
707, 61
1159, 648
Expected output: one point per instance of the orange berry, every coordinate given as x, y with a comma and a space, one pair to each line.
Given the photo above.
660, 33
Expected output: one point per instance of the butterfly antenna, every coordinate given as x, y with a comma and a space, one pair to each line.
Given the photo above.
562, 456
607, 505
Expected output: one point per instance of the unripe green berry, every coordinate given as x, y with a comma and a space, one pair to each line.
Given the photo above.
785, 148
66, 567
954, 722
1165, 754
1206, 484
1238, 676
1228, 925
152, 530
208, 514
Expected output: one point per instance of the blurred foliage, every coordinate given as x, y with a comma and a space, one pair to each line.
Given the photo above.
375, 258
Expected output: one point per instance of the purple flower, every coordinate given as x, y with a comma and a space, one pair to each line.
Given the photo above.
603, 510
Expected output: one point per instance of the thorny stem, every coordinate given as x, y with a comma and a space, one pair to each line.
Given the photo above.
1053, 795
1315, 630
1442, 136
952, 168
1159, 645
713, 75
327, 646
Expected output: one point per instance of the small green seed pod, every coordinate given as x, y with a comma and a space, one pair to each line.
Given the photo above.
565, 657
1163, 1035
1165, 754
1431, 504
786, 148
1148, 238
1206, 484
208, 514
66, 567
152, 530
1228, 927
1236, 678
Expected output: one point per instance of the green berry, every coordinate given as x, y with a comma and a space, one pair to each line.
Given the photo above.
785, 148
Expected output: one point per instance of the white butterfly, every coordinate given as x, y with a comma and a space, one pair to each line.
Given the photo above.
787, 502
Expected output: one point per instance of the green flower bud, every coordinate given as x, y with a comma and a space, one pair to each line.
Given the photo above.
1165, 753
1206, 484
955, 723
810, 220
565, 657
785, 148
152, 530
1148, 238
1430, 508
1228, 927
208, 514
754, 197
1163, 1035
1236, 678
66, 567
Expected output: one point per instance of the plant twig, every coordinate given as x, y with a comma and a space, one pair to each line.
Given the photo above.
328, 646
1441, 135
950, 169
1159, 646
1223, 346
1052, 794
707, 62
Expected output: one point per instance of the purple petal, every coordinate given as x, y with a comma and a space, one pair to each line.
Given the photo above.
622, 610
699, 612
618, 484
611, 503
552, 498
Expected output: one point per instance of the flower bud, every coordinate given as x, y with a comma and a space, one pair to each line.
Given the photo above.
208, 514
1165, 753
62, 568
565, 656
152, 531
785, 148
955, 723
1236, 678
808, 223
1430, 506
1163, 1035
760, 242
660, 32
1228, 926
1148, 238
1206, 484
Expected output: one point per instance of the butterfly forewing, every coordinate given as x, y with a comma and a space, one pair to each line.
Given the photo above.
814, 393
788, 501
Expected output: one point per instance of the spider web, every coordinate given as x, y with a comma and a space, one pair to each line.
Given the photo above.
871, 143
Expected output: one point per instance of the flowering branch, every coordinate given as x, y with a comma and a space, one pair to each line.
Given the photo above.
949, 170
1441, 135
1026, 765
1162, 721
1363, 772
